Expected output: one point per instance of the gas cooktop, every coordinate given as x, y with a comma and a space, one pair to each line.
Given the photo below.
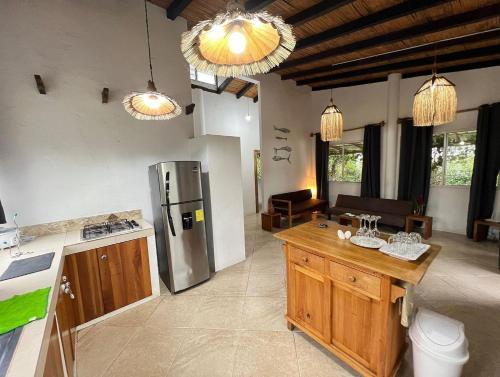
93, 231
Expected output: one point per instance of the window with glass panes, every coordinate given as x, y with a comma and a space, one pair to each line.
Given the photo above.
345, 162
453, 158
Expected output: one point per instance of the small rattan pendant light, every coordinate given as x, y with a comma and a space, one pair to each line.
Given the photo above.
238, 43
332, 124
435, 102
151, 104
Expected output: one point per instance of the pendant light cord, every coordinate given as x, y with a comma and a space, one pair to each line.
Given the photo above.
147, 34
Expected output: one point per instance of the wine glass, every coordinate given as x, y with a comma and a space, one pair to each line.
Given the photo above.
362, 229
375, 231
370, 231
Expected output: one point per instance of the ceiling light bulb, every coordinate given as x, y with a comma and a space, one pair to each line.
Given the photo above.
248, 118
152, 100
237, 42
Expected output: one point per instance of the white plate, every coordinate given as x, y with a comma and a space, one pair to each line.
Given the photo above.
369, 242
390, 250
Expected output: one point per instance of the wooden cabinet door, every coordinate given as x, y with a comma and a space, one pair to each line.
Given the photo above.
355, 324
66, 320
309, 298
124, 271
53, 362
83, 273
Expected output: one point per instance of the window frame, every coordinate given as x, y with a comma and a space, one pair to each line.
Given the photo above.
445, 157
343, 164
203, 83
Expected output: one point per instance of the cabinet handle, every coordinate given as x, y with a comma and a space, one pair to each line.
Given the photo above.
352, 278
308, 315
67, 290
104, 257
305, 259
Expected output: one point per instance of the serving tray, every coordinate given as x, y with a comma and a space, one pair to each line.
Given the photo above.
411, 256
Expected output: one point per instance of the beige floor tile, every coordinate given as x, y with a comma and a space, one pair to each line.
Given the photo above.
206, 353
265, 354
264, 313
150, 353
218, 312
229, 283
99, 347
316, 361
267, 263
242, 266
175, 311
266, 285
135, 316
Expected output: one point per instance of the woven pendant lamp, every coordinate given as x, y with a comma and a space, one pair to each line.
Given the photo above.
435, 102
151, 104
238, 43
332, 124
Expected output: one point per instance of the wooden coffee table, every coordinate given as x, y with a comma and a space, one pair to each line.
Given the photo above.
481, 229
427, 220
348, 220
270, 220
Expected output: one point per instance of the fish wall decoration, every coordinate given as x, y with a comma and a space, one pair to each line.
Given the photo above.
284, 130
287, 149
279, 158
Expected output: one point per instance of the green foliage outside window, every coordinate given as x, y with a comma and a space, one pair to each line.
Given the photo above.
453, 158
345, 162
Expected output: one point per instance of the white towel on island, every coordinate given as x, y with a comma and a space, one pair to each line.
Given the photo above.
407, 305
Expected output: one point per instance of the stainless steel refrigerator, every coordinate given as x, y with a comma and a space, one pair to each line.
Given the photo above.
179, 220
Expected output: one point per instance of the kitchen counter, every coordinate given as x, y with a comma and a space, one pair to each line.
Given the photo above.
29, 356
325, 242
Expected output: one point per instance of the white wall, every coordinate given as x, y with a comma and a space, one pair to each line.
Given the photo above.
224, 114
285, 105
220, 157
65, 155
366, 104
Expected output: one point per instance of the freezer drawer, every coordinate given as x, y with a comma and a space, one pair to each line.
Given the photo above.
188, 247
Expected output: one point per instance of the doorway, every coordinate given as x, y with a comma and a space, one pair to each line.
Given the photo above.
257, 172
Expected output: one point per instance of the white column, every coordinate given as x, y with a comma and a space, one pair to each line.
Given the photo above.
391, 137
199, 112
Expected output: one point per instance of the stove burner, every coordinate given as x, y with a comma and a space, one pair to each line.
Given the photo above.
93, 231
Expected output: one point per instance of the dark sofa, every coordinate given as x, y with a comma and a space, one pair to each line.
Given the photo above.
296, 204
393, 212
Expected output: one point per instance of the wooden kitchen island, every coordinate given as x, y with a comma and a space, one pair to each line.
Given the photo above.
346, 297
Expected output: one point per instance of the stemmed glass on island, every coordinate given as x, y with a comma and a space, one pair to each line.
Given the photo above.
366, 226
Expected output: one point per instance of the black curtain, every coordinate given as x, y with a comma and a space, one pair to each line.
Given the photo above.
415, 158
370, 175
322, 148
2, 214
486, 165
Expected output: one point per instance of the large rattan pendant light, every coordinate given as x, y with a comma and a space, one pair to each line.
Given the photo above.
435, 102
238, 43
332, 124
151, 104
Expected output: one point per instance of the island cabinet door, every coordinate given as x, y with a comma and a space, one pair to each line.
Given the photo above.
355, 324
309, 298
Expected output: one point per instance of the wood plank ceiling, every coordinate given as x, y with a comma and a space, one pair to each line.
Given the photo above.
351, 42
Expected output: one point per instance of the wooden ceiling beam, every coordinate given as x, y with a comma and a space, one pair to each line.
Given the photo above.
255, 5
394, 67
373, 19
430, 27
255, 99
176, 7
424, 72
430, 47
245, 89
317, 10
224, 85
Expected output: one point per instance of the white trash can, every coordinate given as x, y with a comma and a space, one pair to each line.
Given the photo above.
440, 348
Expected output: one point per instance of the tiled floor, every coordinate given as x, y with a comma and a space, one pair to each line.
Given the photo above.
233, 325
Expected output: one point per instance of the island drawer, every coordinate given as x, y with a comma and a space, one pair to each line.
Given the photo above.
305, 259
355, 278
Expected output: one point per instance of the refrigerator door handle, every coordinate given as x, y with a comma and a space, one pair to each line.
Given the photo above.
170, 220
